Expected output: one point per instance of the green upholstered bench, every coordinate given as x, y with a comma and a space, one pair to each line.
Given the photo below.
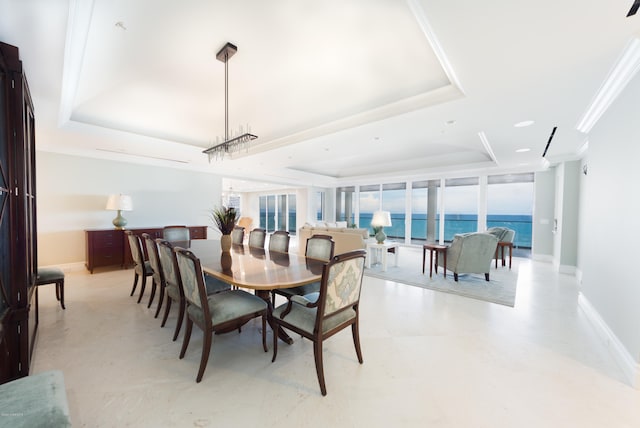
35, 401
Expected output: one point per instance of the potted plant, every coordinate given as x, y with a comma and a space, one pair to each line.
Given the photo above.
225, 219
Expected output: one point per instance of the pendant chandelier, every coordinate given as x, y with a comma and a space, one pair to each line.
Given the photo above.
241, 140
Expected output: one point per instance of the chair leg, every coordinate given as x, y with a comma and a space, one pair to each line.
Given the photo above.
455, 277
135, 283
187, 336
153, 292
179, 321
274, 327
317, 353
60, 286
486, 276
160, 301
167, 308
206, 348
355, 330
144, 283
264, 332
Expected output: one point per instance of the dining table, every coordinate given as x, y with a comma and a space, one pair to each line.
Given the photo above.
256, 268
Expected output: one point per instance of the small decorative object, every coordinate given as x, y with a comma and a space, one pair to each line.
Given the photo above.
380, 220
119, 203
225, 219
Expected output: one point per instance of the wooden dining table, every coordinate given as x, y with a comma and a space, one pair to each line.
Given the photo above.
256, 269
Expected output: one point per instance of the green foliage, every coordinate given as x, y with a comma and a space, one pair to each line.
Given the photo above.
225, 219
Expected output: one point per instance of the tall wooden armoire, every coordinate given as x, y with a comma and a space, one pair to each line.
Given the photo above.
18, 239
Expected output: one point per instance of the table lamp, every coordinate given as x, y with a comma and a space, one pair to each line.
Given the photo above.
380, 220
119, 203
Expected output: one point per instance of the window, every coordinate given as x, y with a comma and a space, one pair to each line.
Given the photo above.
393, 200
369, 203
425, 214
461, 206
278, 212
319, 205
345, 204
510, 204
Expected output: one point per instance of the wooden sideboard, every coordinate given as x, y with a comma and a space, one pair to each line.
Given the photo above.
109, 247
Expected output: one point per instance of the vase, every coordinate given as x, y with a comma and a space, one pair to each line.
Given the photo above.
225, 243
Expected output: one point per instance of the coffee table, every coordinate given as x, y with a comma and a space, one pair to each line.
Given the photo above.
384, 249
437, 248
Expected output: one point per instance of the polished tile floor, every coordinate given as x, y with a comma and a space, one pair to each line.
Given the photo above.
430, 360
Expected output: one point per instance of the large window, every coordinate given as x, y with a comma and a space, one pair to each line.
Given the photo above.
319, 205
425, 214
345, 204
461, 206
369, 203
278, 212
393, 200
510, 204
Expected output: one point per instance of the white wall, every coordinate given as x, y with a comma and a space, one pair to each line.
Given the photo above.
609, 250
543, 215
72, 193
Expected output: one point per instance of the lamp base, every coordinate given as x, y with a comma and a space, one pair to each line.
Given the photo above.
119, 222
380, 236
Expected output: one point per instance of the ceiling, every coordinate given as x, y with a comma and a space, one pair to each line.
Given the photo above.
337, 92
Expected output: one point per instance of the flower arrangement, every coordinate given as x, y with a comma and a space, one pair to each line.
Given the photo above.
225, 219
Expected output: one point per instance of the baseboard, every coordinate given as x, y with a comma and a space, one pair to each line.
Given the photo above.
629, 366
567, 269
542, 258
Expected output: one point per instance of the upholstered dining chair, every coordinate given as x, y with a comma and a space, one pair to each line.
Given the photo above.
319, 247
176, 233
51, 275
142, 267
217, 313
279, 241
158, 274
173, 283
257, 238
337, 307
237, 235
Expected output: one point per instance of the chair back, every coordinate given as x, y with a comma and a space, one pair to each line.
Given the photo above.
471, 252
279, 241
176, 233
136, 248
341, 284
257, 237
237, 235
320, 247
509, 236
169, 264
192, 278
154, 258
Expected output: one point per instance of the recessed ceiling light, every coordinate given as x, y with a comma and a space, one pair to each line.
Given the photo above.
450, 122
523, 150
524, 123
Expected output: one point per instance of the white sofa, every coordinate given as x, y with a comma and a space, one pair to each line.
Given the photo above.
345, 238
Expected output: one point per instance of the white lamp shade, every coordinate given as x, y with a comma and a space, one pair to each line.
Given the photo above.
119, 202
381, 218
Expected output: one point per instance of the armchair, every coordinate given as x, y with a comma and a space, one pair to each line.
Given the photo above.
470, 253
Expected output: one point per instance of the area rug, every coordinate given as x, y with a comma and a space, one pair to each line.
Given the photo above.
501, 288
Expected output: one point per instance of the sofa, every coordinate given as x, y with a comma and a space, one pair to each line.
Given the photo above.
470, 253
345, 238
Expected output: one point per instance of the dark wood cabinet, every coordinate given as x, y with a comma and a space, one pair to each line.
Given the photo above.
109, 247
18, 235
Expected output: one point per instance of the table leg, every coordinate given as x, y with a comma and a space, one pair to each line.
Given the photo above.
444, 267
431, 263
424, 256
266, 296
510, 255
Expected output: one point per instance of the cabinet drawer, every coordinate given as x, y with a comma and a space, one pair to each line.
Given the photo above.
107, 259
198, 232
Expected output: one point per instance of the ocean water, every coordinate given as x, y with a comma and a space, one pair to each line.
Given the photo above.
455, 223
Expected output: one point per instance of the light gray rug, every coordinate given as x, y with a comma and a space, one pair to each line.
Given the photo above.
501, 288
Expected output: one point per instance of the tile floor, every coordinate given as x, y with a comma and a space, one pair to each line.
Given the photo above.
430, 359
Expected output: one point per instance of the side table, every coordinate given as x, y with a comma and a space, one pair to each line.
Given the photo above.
384, 248
437, 248
500, 250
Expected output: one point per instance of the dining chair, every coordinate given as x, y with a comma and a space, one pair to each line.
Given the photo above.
176, 233
257, 237
217, 313
319, 247
52, 275
279, 241
142, 267
158, 274
237, 235
337, 307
